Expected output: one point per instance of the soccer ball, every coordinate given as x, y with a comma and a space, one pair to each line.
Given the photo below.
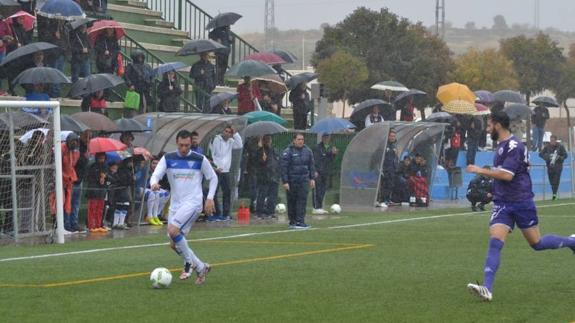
161, 277
281, 208
335, 209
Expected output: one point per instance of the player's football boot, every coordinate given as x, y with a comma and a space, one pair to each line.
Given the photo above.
203, 273
187, 272
480, 291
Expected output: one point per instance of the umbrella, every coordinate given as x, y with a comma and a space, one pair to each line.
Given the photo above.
509, 96
362, 109
481, 110
141, 151
455, 91
546, 101
256, 116
95, 121
221, 97
100, 26
287, 56
199, 46
27, 50
29, 20
460, 107
249, 68
263, 128
94, 83
442, 117
413, 93
518, 111
485, 97
102, 145
271, 83
9, 7
168, 67
41, 75
61, 9
266, 58
70, 124
130, 125
113, 157
223, 19
331, 125
80, 22
390, 86
28, 135
21, 120
297, 79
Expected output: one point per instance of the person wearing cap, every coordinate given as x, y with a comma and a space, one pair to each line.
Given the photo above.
323, 155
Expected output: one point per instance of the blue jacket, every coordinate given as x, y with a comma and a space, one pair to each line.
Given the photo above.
297, 164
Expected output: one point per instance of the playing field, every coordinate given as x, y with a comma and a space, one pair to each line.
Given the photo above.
381, 267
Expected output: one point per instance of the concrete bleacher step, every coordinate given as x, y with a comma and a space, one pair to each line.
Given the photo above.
134, 10
159, 23
161, 48
156, 30
180, 41
132, 3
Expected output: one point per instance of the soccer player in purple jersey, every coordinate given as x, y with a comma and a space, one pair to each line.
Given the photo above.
513, 202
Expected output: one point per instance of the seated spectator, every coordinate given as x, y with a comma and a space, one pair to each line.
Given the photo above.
222, 108
374, 117
169, 92
417, 182
156, 200
95, 102
96, 193
479, 192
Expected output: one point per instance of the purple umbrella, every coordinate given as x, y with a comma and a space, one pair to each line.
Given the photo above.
485, 97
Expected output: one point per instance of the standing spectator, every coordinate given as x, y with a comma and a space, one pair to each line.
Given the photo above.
268, 181
474, 133
95, 102
251, 168
301, 105
59, 35
453, 145
139, 77
539, 117
323, 155
247, 94
70, 156
374, 117
196, 143
80, 53
223, 36
204, 74
408, 111
156, 200
479, 191
96, 193
81, 172
5, 35
28, 5
389, 171
169, 92
21, 36
107, 50
278, 98
298, 173
554, 154
221, 149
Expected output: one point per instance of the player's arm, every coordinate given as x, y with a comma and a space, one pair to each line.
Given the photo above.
158, 174
497, 173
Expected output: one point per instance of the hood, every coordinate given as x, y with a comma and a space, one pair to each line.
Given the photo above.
137, 56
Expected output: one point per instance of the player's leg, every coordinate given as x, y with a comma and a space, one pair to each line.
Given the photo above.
177, 226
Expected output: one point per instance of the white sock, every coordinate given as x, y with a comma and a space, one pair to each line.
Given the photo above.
116, 218
187, 253
122, 217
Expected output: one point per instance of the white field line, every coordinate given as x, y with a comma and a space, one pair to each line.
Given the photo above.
252, 234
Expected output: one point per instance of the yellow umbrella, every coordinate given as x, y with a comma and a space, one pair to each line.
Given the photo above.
460, 107
455, 91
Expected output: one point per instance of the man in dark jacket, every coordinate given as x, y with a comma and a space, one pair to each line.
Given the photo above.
479, 192
389, 171
301, 104
169, 92
268, 179
223, 36
323, 155
474, 133
58, 34
80, 53
204, 74
554, 154
139, 77
298, 173
538, 119
81, 173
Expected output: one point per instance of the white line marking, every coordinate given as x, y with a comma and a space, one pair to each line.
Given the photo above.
252, 234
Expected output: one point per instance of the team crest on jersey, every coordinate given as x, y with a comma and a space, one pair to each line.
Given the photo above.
191, 164
500, 151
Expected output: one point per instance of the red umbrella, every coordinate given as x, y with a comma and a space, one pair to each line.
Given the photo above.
28, 19
143, 151
102, 145
266, 58
100, 27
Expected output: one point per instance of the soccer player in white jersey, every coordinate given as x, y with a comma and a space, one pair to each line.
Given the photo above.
185, 170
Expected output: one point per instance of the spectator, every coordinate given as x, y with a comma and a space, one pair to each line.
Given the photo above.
81, 172
267, 104
120, 180
299, 97
479, 192
221, 149
21, 36
58, 33
223, 36
28, 5
139, 77
107, 50
408, 111
278, 98
222, 108
127, 138
95, 102
96, 193
374, 117
204, 74
251, 168
247, 94
298, 173
80, 53
156, 200
417, 182
453, 145
389, 171
539, 117
323, 156
474, 133
169, 92
37, 92
196, 143
268, 181
554, 155
70, 156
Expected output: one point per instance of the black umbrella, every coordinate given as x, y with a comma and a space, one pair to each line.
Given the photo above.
27, 50
80, 22
199, 46
249, 68
94, 83
362, 109
441, 117
297, 79
413, 93
215, 100
263, 128
130, 125
9, 7
546, 101
223, 19
21, 120
41, 75
287, 56
71, 124
509, 96
518, 111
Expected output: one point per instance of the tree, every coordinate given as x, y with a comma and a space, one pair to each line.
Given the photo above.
485, 70
392, 48
342, 73
572, 52
499, 23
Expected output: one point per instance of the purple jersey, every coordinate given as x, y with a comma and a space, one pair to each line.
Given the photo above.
512, 157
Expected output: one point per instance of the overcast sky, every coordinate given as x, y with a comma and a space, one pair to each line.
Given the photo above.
309, 14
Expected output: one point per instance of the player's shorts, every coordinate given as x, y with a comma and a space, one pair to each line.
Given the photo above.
184, 215
523, 213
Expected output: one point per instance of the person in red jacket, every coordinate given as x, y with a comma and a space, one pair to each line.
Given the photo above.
70, 156
247, 93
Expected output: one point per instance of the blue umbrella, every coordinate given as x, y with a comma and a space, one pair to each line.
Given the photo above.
332, 125
116, 156
168, 67
485, 97
62, 9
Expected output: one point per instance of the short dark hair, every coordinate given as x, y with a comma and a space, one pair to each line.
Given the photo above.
500, 117
295, 135
195, 134
183, 134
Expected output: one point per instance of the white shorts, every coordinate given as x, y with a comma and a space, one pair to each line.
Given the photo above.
184, 215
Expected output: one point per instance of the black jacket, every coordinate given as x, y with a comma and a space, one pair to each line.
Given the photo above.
301, 105
204, 75
548, 153
95, 190
390, 159
169, 99
82, 164
270, 168
540, 116
323, 158
475, 129
480, 185
139, 74
120, 184
79, 41
106, 63
297, 164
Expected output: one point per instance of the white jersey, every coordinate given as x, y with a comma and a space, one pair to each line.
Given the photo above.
185, 174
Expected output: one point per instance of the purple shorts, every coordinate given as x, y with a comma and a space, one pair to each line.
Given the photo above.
522, 213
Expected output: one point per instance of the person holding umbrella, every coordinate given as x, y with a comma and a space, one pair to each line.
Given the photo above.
80, 47
20, 33
554, 154
223, 36
59, 35
169, 92
107, 48
139, 77
247, 94
299, 97
204, 74
324, 156
538, 119
95, 102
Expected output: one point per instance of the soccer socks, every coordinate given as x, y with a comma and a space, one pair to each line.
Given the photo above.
492, 262
186, 252
551, 241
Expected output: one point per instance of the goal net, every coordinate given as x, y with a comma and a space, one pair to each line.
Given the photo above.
29, 147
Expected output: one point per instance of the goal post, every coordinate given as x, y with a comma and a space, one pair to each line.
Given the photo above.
31, 183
